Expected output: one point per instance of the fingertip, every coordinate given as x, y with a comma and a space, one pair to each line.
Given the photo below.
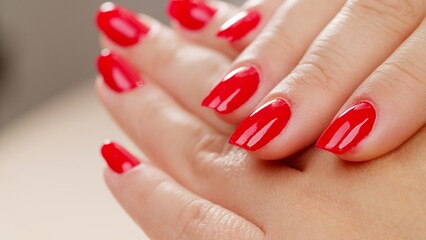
120, 25
183, 12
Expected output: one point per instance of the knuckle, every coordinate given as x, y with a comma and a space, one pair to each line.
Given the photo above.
205, 149
144, 195
317, 74
277, 36
391, 11
321, 69
400, 78
202, 220
170, 52
193, 219
408, 74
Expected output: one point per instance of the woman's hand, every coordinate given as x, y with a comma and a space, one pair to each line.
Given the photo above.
361, 62
207, 189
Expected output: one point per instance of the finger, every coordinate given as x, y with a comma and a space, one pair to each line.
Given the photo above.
164, 209
180, 143
198, 21
387, 109
203, 29
159, 126
241, 29
181, 68
271, 57
330, 72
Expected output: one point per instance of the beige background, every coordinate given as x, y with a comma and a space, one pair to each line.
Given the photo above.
51, 125
51, 184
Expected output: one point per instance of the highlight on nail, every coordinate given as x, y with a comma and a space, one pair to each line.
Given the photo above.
349, 129
191, 14
240, 25
117, 73
120, 25
234, 90
262, 126
117, 158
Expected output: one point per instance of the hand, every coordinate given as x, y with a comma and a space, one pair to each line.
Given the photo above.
320, 59
377, 89
223, 193
365, 58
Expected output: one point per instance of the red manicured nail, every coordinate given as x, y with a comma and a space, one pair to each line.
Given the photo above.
117, 74
239, 26
350, 128
191, 14
234, 90
118, 159
262, 126
120, 25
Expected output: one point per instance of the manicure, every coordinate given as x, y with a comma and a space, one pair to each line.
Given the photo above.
120, 25
349, 129
117, 74
190, 14
262, 126
118, 159
239, 26
234, 90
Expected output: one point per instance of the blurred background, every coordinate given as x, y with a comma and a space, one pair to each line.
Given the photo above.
51, 125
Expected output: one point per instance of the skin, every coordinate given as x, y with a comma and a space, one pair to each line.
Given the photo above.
345, 52
193, 185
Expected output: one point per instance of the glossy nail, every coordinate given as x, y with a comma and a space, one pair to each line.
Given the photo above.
120, 25
117, 158
117, 74
262, 126
234, 90
190, 14
349, 129
239, 26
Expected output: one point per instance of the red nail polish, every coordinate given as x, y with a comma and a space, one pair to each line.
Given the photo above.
118, 159
120, 25
350, 128
117, 74
234, 90
239, 26
191, 14
262, 126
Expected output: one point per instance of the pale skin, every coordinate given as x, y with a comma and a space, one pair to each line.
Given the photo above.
193, 185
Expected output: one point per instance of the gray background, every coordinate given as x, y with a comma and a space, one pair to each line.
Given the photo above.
48, 45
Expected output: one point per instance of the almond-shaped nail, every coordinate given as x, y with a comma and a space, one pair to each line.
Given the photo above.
191, 14
239, 26
262, 126
117, 158
117, 73
120, 25
349, 129
234, 90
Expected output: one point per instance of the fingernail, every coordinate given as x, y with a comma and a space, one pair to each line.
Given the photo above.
262, 126
117, 74
190, 14
117, 158
233, 91
239, 26
349, 129
120, 25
